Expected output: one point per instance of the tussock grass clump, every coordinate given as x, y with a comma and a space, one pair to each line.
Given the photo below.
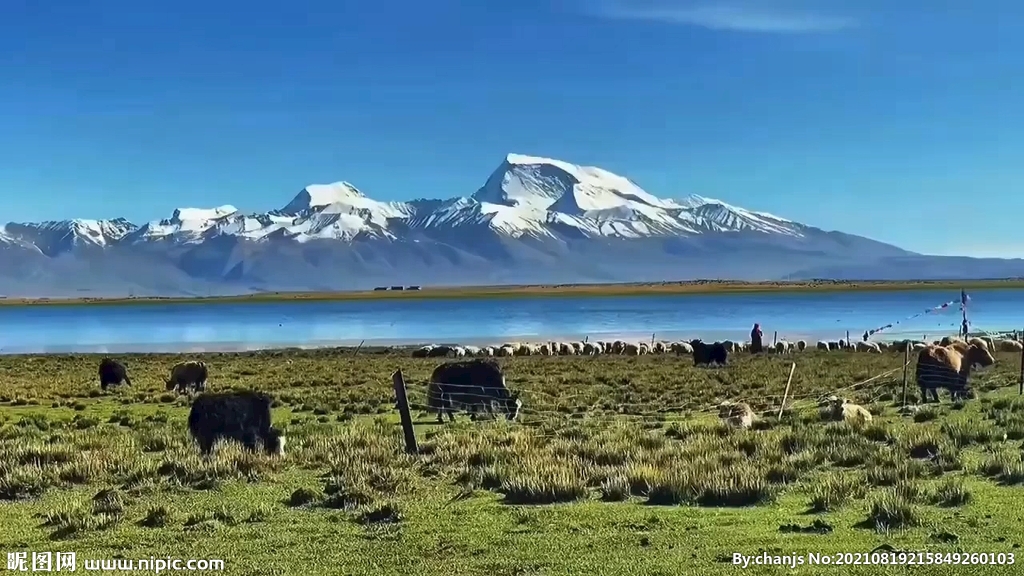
894, 509
302, 497
952, 492
707, 483
615, 489
888, 468
835, 489
157, 517
1005, 467
72, 519
965, 432
380, 513
108, 501
538, 481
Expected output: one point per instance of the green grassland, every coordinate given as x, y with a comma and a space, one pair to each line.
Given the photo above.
575, 290
618, 465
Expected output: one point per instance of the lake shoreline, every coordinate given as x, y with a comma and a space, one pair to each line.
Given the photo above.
380, 346
694, 287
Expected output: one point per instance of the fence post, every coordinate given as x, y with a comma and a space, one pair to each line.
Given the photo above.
848, 339
1021, 386
403, 411
785, 394
356, 353
775, 338
906, 370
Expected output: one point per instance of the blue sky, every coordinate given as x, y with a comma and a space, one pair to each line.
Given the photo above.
893, 119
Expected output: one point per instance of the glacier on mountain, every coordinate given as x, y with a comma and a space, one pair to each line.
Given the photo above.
535, 220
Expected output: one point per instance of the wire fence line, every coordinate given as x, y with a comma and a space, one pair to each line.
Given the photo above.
471, 396
543, 406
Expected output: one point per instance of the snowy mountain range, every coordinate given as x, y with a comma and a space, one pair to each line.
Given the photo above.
535, 220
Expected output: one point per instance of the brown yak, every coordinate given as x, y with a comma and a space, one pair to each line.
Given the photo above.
949, 367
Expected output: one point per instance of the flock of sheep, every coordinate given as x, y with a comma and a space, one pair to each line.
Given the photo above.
662, 347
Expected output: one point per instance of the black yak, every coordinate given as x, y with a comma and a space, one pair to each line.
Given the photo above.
473, 385
706, 354
185, 374
949, 367
243, 416
112, 372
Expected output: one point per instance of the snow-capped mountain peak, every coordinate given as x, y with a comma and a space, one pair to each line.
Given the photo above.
535, 220
526, 196
202, 214
52, 237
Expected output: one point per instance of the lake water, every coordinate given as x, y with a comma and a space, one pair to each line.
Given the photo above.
231, 326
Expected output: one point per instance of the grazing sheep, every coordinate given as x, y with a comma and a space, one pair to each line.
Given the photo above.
840, 409
949, 340
440, 351
681, 348
112, 372
545, 350
473, 386
834, 345
707, 354
630, 349
590, 349
867, 347
801, 345
488, 351
243, 416
577, 348
659, 348
920, 346
736, 414
1010, 346
190, 373
459, 352
980, 342
644, 348
421, 352
782, 347
822, 345
473, 350
506, 351
946, 367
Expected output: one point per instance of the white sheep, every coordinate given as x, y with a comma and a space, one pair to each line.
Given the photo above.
1008, 345
736, 414
836, 408
682, 348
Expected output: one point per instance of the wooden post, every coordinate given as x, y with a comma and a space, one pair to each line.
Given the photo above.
785, 394
403, 411
848, 345
652, 339
775, 338
906, 370
356, 353
1021, 388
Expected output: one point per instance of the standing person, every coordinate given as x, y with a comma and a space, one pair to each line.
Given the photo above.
755, 340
